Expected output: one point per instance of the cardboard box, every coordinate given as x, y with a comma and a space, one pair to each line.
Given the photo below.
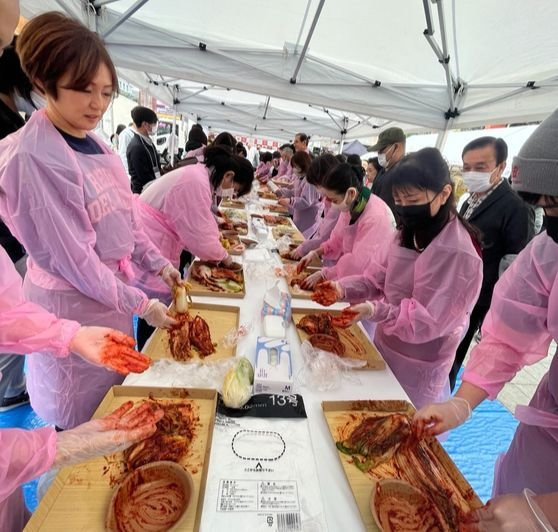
273, 368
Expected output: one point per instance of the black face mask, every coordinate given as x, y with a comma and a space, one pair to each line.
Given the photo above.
552, 227
414, 216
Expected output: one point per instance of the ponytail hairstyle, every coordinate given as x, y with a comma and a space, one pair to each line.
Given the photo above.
219, 160
303, 137
319, 168
426, 169
341, 178
225, 139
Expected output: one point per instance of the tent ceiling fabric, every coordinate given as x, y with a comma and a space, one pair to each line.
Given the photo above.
246, 113
366, 57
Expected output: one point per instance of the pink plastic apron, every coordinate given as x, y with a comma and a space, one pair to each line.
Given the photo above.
66, 391
532, 458
165, 238
169, 243
421, 369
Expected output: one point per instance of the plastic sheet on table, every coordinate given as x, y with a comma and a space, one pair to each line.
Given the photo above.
258, 271
178, 374
323, 371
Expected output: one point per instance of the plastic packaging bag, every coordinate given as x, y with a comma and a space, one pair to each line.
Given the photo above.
178, 374
323, 371
277, 303
283, 244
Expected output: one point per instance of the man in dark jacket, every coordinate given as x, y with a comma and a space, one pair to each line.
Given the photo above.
505, 222
142, 156
391, 149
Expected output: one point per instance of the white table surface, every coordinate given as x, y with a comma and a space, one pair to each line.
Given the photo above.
340, 509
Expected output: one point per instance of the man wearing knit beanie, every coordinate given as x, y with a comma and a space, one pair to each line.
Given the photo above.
535, 168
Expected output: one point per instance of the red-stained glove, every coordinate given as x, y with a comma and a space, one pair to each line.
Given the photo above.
106, 347
106, 435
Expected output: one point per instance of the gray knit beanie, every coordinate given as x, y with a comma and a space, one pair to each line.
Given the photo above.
535, 169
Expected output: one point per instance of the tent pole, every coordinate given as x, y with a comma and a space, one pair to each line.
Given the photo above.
343, 134
442, 138
132, 9
443, 135
173, 136
441, 54
99, 3
308, 39
302, 25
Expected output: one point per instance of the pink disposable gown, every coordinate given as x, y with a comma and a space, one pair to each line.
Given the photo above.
25, 454
263, 170
75, 215
351, 247
323, 231
517, 331
176, 214
305, 205
284, 169
423, 301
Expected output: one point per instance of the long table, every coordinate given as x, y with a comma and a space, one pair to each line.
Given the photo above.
340, 509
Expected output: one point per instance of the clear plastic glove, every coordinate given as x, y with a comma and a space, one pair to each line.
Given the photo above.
295, 254
312, 280
106, 435
327, 293
438, 418
285, 202
156, 314
106, 347
306, 260
238, 248
229, 263
362, 311
171, 276
509, 513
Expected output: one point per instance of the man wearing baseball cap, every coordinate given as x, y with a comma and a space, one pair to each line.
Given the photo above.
391, 149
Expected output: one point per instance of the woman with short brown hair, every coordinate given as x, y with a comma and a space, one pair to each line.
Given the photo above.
66, 197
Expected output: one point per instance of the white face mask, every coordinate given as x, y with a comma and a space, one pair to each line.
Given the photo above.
382, 160
345, 205
225, 192
477, 181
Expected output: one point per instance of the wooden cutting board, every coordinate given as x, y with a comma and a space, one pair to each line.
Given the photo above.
79, 497
279, 217
199, 289
315, 263
354, 334
233, 239
232, 204
220, 318
343, 416
288, 229
238, 215
275, 208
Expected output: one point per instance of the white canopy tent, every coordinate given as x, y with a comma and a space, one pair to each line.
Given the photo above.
257, 115
434, 64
